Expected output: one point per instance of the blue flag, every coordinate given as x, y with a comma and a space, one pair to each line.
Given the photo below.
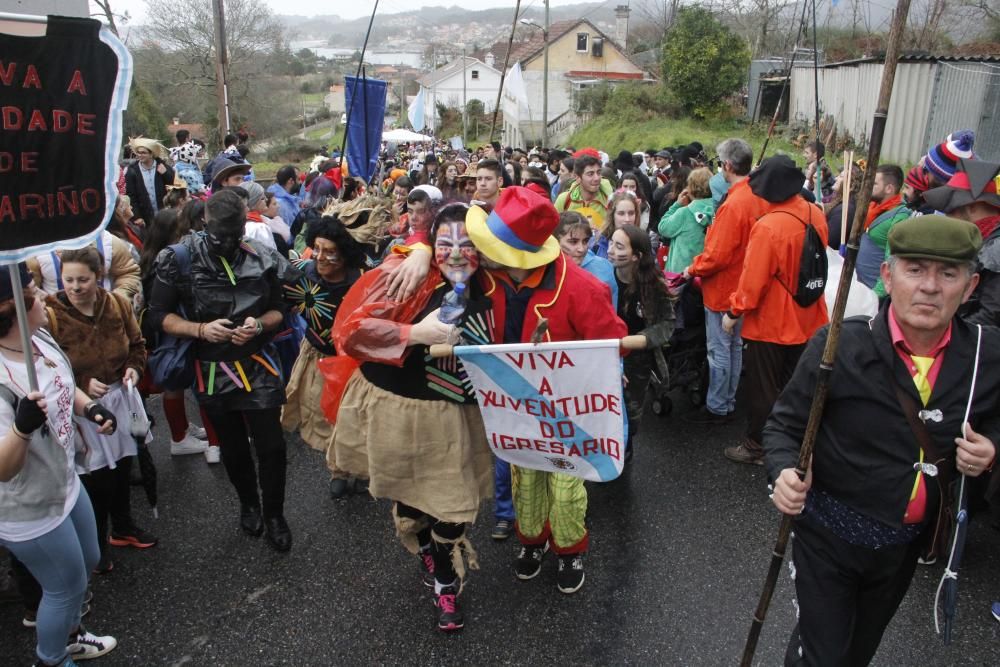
365, 102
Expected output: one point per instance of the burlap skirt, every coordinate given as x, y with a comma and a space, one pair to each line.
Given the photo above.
430, 455
302, 408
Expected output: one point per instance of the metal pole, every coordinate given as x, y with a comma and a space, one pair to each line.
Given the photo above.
465, 102
818, 177
361, 62
545, 80
836, 320
22, 325
503, 71
221, 66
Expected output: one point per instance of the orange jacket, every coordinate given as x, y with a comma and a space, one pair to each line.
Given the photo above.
771, 269
720, 263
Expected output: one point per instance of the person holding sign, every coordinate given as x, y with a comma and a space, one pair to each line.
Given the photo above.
529, 280
46, 519
410, 422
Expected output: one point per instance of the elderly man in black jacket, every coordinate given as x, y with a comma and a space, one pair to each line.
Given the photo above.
147, 178
905, 414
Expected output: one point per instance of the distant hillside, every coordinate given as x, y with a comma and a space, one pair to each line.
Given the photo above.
425, 25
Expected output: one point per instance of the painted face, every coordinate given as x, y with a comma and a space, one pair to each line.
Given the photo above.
624, 213
79, 282
590, 179
224, 237
454, 254
620, 251
487, 185
329, 261
925, 293
575, 243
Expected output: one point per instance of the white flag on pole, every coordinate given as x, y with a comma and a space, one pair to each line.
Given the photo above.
514, 85
416, 111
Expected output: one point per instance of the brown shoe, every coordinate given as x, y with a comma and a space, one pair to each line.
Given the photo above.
741, 453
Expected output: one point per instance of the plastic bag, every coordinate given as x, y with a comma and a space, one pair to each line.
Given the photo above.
861, 300
369, 324
139, 424
336, 371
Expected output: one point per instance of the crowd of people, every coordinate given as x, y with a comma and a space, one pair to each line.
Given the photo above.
255, 299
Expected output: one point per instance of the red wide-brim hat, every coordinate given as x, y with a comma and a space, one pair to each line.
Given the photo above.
518, 232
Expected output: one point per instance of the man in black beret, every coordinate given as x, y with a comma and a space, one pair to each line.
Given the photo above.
906, 413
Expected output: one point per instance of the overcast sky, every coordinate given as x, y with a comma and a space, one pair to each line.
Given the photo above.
352, 9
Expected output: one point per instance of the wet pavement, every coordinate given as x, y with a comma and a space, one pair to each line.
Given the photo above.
679, 551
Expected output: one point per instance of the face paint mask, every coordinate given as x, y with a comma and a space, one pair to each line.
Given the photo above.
454, 254
296, 188
224, 240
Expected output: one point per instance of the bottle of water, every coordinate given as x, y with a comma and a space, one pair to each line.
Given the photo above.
453, 305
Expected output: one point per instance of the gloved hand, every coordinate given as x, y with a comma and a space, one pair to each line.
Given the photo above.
100, 415
29, 416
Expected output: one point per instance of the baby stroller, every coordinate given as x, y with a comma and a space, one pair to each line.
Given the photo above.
686, 355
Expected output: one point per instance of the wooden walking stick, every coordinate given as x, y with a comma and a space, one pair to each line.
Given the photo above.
836, 320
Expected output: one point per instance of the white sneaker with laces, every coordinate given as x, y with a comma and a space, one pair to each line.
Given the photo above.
196, 431
87, 646
213, 454
189, 445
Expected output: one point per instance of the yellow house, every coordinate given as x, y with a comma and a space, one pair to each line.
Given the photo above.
580, 56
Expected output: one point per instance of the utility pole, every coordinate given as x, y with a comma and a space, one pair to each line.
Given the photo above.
465, 103
221, 67
545, 80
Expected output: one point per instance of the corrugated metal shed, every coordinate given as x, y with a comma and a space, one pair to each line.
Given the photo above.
931, 97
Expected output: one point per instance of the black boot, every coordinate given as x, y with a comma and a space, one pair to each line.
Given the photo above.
279, 536
250, 520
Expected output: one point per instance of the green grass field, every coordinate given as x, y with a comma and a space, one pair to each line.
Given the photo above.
612, 136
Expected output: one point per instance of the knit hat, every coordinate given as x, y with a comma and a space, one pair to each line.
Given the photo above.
6, 288
974, 181
254, 192
518, 232
935, 237
940, 160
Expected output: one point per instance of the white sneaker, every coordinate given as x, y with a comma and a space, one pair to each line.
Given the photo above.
189, 445
196, 431
88, 646
213, 454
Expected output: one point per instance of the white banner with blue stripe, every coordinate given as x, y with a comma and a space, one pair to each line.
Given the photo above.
556, 407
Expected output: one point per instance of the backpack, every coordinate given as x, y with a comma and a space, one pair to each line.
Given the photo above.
811, 283
171, 363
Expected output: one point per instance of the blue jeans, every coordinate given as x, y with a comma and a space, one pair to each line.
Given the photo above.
61, 560
502, 490
725, 361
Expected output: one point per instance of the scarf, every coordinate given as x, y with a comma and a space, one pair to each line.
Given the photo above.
987, 225
877, 209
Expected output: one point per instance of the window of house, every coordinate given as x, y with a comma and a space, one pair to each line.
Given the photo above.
581, 41
475, 74
597, 49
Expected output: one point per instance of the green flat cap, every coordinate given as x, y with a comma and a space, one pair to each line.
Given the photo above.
936, 237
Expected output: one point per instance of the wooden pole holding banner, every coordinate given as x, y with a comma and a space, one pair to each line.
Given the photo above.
636, 342
22, 325
836, 321
845, 196
503, 71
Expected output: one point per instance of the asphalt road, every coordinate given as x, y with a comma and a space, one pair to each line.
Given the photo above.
680, 546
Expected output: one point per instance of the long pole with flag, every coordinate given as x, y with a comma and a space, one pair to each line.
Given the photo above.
836, 320
503, 70
357, 76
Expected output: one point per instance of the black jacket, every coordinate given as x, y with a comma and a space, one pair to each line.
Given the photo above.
984, 306
135, 188
865, 450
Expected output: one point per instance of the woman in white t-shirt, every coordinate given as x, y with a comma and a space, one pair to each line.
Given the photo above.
46, 519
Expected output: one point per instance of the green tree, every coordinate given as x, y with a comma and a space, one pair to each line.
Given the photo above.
143, 115
703, 61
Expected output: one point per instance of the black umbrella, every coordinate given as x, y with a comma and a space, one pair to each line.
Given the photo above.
148, 471
949, 580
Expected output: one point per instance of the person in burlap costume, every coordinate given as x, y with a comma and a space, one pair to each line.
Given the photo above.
336, 263
410, 422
